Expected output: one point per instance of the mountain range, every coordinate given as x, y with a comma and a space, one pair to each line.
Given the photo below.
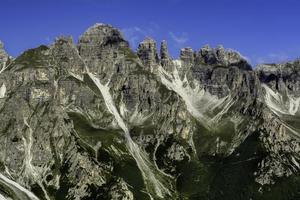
97, 120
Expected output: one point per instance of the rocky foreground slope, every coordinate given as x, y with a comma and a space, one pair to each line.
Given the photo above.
96, 120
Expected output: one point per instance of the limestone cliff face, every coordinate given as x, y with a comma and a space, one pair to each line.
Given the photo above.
281, 94
3, 55
95, 120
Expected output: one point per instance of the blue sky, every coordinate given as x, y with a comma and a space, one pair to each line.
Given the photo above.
262, 30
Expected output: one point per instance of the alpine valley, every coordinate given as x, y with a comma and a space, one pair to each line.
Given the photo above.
95, 120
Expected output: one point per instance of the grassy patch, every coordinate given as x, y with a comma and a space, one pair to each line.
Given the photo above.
129, 54
32, 58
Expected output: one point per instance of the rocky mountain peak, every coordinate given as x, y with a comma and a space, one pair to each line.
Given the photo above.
101, 35
207, 55
222, 56
187, 55
147, 52
164, 53
100, 43
281, 77
64, 39
165, 58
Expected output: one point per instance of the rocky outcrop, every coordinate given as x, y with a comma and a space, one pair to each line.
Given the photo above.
102, 35
187, 56
147, 52
281, 76
164, 54
222, 57
3, 55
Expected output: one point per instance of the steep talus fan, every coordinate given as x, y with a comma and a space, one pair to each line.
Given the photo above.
97, 120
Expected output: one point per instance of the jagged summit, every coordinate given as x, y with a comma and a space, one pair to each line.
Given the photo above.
164, 53
64, 39
147, 52
281, 69
102, 34
222, 56
219, 56
187, 55
165, 58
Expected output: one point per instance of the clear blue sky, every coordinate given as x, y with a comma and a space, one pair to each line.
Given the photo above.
262, 30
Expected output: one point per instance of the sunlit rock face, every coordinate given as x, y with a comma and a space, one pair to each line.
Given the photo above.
97, 120
3, 55
281, 94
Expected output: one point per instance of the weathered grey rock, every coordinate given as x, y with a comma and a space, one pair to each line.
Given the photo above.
221, 57
120, 191
3, 55
165, 58
147, 52
281, 76
164, 53
102, 34
187, 56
